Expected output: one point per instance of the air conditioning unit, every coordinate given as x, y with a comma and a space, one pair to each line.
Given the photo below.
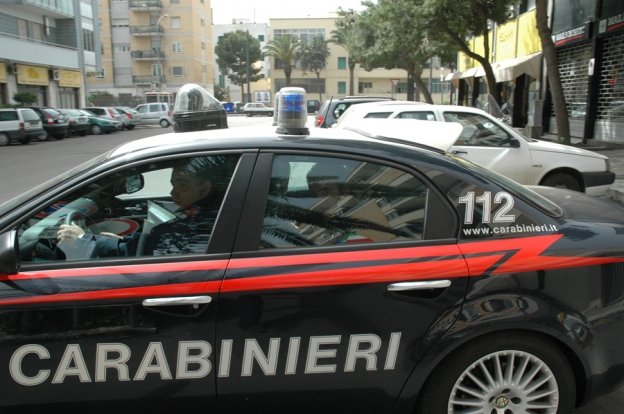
55, 74
13, 69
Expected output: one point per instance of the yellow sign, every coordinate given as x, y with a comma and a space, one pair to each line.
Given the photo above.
3, 74
506, 37
32, 75
479, 48
528, 37
70, 79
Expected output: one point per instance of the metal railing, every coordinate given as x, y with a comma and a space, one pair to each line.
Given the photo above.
146, 80
28, 39
144, 4
147, 54
146, 30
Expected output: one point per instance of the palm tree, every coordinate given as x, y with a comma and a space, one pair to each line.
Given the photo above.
283, 48
344, 36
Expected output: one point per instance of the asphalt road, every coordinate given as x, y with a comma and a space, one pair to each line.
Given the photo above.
23, 167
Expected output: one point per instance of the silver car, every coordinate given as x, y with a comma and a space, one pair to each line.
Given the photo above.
129, 117
155, 113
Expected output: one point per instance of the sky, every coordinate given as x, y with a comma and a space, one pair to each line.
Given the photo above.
260, 11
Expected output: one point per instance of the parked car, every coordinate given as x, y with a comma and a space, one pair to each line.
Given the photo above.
106, 112
19, 124
130, 118
54, 123
333, 272
78, 122
332, 109
155, 113
99, 125
251, 109
493, 144
313, 106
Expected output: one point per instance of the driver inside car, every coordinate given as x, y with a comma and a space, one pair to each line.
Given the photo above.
198, 202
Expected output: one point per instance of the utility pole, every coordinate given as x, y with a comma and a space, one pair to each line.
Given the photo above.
248, 69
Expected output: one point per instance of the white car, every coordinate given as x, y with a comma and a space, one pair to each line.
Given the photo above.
492, 144
251, 109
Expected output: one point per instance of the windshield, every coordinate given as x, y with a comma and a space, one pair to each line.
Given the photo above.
21, 199
519, 190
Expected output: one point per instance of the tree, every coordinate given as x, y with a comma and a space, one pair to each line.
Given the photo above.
231, 50
393, 34
283, 48
313, 58
464, 19
222, 94
345, 36
552, 68
25, 98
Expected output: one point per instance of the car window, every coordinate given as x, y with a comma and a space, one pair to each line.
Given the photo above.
30, 115
340, 108
166, 208
422, 115
478, 130
378, 115
154, 108
51, 112
9, 116
321, 201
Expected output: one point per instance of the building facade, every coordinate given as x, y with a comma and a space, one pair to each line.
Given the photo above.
152, 47
48, 47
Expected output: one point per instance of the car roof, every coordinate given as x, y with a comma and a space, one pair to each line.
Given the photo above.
418, 106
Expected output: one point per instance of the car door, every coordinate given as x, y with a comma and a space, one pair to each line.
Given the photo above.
121, 317
340, 280
486, 143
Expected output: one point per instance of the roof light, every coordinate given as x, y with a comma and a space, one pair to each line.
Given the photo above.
292, 112
197, 110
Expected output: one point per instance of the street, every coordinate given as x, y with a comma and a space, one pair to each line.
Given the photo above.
23, 167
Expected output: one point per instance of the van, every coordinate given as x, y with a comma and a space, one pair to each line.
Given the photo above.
19, 124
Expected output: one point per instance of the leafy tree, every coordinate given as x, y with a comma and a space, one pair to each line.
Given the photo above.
231, 50
345, 36
222, 94
313, 58
552, 67
459, 20
393, 34
283, 48
25, 98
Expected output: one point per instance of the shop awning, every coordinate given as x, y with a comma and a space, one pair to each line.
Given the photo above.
510, 69
453, 76
468, 73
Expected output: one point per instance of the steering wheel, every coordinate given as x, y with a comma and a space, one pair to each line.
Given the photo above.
68, 217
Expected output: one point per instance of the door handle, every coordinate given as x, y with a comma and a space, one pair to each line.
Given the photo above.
188, 300
459, 152
429, 284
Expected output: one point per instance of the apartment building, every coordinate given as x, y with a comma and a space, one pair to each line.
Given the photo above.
152, 47
48, 47
259, 31
334, 80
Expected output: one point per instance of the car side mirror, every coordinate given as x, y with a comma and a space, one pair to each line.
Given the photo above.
9, 253
134, 183
514, 143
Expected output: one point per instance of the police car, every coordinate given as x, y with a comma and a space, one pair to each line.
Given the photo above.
283, 270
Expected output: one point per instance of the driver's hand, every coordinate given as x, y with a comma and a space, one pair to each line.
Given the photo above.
67, 232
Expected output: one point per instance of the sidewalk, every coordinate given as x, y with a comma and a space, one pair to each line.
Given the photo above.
614, 151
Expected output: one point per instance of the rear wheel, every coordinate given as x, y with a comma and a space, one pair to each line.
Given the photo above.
96, 129
5, 139
164, 123
25, 141
59, 136
129, 127
270, 113
45, 135
561, 180
502, 373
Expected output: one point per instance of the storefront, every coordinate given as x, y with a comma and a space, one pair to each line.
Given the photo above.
3, 84
69, 84
34, 79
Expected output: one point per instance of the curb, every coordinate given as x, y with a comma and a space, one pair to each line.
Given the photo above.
616, 191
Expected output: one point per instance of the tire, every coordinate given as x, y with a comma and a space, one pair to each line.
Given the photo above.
130, 127
444, 390
248, 114
96, 129
25, 141
82, 133
45, 136
59, 137
164, 123
561, 180
5, 139
270, 114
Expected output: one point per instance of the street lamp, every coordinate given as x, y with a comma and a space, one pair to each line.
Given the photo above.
159, 50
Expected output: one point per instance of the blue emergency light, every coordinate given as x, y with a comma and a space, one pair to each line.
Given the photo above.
292, 113
276, 108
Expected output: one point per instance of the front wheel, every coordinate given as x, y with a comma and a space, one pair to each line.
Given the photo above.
96, 129
129, 127
248, 114
270, 113
164, 123
44, 136
502, 373
5, 139
561, 180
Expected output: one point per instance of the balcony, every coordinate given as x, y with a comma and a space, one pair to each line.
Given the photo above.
151, 30
147, 54
144, 5
23, 49
147, 80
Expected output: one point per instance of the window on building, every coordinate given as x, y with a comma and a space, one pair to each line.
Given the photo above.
156, 70
364, 85
202, 22
88, 42
261, 38
311, 85
37, 32
221, 81
174, 1
342, 63
178, 71
121, 47
342, 87
203, 46
101, 74
176, 23
22, 28
306, 35
176, 47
